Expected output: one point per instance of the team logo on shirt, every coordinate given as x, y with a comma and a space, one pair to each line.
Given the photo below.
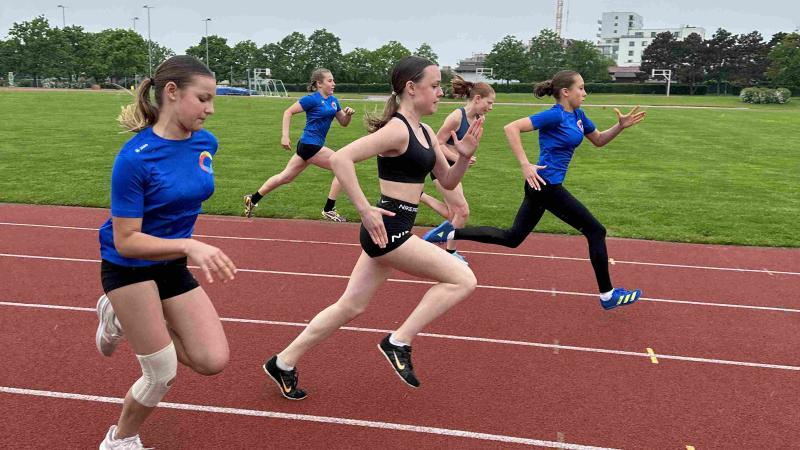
580, 125
333, 105
205, 162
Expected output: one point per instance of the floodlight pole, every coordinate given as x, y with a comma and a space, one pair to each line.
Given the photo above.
149, 41
206, 20
134, 23
63, 16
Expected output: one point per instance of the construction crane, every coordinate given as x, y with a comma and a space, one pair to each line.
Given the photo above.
559, 10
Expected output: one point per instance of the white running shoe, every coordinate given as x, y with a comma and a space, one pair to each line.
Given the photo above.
333, 216
108, 333
129, 443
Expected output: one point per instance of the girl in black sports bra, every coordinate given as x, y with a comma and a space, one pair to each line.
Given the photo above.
406, 155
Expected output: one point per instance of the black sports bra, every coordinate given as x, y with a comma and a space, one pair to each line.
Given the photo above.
413, 165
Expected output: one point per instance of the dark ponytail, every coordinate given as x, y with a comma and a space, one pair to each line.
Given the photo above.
561, 80
410, 68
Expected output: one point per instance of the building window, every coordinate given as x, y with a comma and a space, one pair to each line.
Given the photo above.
631, 43
616, 17
630, 17
644, 43
638, 34
615, 31
630, 24
616, 24
630, 53
652, 34
630, 60
616, 48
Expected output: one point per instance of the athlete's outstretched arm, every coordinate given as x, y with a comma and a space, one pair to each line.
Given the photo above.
513, 132
600, 139
449, 177
287, 123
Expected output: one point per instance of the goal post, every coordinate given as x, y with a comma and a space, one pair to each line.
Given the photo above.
666, 73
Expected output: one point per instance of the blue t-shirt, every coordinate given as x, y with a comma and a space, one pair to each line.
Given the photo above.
162, 181
560, 133
320, 112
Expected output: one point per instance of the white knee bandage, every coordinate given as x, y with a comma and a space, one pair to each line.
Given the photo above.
158, 371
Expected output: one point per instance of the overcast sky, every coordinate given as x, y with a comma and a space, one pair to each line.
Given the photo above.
468, 26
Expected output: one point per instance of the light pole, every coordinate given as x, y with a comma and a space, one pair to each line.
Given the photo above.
63, 17
206, 20
149, 42
134, 23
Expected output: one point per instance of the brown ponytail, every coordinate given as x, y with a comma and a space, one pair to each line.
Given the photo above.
561, 80
461, 87
410, 68
317, 76
143, 113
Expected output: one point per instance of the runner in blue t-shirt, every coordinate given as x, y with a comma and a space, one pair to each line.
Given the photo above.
159, 181
561, 130
320, 107
455, 208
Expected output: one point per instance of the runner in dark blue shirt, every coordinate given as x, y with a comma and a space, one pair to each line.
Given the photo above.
159, 181
561, 130
321, 107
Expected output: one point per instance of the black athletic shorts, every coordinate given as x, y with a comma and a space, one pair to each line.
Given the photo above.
398, 227
307, 151
172, 278
452, 163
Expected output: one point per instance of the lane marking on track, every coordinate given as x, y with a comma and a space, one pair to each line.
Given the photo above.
689, 447
554, 346
312, 418
652, 354
481, 286
474, 252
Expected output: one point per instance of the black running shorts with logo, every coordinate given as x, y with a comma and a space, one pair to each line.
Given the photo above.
398, 227
307, 151
172, 277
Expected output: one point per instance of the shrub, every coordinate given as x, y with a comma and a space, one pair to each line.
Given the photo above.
765, 95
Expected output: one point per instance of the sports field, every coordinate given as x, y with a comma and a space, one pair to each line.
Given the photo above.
716, 175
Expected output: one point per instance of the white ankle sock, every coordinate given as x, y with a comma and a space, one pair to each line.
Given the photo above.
605, 296
282, 365
397, 343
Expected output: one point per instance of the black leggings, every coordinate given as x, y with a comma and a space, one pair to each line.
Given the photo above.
556, 199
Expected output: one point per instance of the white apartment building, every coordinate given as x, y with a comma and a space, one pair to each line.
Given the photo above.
613, 26
633, 44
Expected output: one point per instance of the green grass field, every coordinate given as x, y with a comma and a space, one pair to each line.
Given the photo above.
695, 175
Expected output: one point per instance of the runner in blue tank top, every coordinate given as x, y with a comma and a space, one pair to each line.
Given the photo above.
455, 209
159, 181
321, 107
561, 130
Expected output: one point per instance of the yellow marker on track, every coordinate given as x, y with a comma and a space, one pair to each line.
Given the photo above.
652, 354
689, 447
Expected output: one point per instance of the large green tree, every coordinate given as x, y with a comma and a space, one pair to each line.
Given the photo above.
663, 53
426, 51
749, 59
220, 55
584, 58
720, 54
118, 54
507, 59
546, 56
356, 66
694, 60
383, 58
784, 62
323, 51
39, 52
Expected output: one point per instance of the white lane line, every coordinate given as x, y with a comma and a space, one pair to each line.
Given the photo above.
311, 418
555, 346
552, 292
474, 252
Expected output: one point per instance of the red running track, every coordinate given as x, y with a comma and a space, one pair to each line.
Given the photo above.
502, 384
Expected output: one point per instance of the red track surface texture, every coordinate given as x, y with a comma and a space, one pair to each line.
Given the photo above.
529, 361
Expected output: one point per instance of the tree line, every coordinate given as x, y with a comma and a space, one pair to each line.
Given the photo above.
35, 49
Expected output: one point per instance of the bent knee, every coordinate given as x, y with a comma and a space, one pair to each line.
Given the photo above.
595, 232
211, 364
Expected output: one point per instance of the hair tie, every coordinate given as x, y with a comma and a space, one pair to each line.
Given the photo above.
394, 93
